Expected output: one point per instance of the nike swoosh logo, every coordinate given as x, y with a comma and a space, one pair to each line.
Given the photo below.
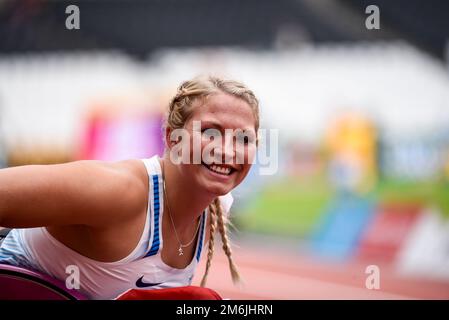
141, 284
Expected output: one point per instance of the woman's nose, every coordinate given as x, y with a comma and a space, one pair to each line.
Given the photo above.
226, 151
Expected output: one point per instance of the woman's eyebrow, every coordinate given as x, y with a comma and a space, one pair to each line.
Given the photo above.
212, 123
209, 123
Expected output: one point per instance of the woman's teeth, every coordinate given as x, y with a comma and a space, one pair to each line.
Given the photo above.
218, 169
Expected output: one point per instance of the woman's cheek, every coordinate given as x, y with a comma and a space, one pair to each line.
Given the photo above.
244, 154
250, 154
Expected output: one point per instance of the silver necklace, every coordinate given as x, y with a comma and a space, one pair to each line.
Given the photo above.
181, 245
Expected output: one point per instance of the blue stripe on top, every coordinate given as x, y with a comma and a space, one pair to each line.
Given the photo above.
201, 235
155, 245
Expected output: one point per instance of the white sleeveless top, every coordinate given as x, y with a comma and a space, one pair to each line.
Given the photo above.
35, 248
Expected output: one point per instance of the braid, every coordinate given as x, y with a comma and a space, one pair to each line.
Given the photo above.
222, 228
210, 252
217, 218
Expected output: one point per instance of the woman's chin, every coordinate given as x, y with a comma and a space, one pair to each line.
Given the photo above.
215, 189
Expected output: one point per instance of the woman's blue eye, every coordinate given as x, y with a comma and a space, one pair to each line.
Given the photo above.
211, 133
244, 139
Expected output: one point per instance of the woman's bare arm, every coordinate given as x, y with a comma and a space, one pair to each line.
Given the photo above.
86, 192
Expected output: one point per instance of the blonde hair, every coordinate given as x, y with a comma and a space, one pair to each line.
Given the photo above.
181, 108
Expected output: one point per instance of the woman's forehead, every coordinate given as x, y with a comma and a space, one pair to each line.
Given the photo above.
225, 108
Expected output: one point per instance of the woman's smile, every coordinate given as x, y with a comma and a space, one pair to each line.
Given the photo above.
220, 172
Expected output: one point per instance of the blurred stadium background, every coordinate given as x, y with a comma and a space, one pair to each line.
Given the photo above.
363, 120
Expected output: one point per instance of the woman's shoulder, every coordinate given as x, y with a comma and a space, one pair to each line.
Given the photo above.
135, 168
134, 175
140, 168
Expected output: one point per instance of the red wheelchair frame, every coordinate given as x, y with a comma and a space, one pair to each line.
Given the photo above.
21, 284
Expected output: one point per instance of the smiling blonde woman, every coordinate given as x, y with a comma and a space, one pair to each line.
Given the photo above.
138, 223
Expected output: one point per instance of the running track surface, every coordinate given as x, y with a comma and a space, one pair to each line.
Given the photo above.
272, 274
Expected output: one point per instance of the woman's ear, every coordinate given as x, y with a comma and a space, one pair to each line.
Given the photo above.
168, 141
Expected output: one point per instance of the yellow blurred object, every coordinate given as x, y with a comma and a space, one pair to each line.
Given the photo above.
351, 141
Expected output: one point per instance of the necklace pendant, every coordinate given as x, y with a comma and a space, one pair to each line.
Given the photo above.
181, 252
